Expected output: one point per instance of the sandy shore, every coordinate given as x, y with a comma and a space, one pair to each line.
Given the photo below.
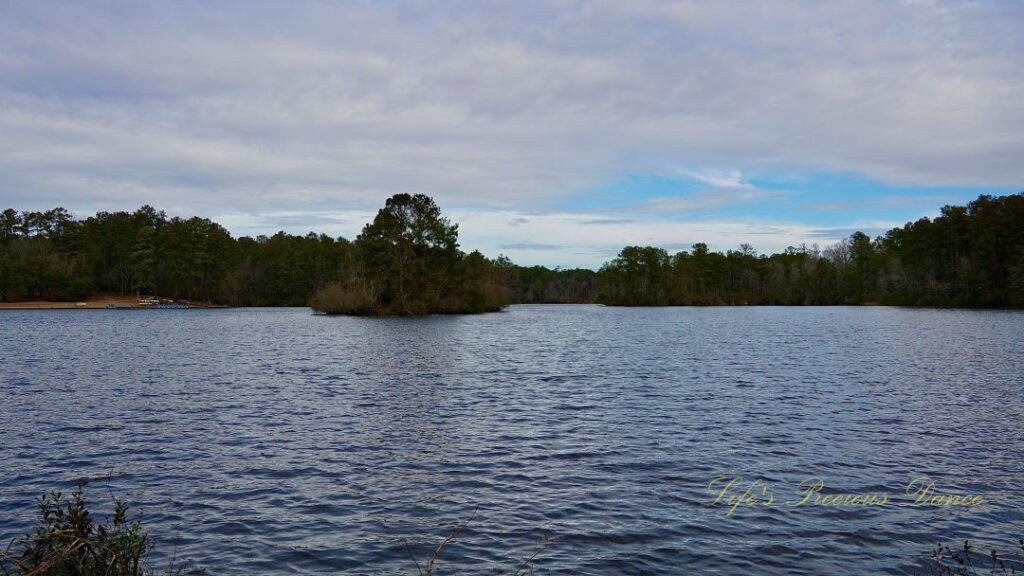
94, 301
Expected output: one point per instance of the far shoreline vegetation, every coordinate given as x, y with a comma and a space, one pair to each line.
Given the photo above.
408, 262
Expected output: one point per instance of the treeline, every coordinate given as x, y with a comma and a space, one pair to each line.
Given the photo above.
53, 256
968, 256
408, 261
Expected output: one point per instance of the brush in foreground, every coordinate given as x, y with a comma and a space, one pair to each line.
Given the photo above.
68, 542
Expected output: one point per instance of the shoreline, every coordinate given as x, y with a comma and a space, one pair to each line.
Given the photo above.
132, 304
95, 302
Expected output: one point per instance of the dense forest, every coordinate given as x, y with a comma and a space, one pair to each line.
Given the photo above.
53, 256
408, 261
967, 256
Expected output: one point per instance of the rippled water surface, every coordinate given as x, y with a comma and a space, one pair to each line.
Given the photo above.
272, 441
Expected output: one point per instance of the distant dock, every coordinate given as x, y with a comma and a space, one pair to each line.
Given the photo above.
151, 304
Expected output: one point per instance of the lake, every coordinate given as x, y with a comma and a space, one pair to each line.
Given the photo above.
273, 441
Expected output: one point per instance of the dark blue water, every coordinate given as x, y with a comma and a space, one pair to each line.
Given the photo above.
267, 441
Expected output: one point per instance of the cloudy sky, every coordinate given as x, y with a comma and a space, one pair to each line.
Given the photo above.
553, 132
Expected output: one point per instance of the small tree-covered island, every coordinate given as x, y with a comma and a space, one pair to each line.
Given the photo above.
408, 262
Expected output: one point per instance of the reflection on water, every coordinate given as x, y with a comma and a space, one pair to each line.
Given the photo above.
277, 442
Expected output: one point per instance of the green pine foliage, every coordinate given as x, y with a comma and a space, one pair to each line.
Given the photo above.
410, 264
408, 261
968, 256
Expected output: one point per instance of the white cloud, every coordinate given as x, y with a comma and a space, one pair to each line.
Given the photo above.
311, 107
582, 241
731, 179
